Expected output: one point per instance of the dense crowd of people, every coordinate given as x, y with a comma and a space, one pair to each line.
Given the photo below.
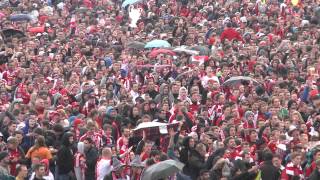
110, 90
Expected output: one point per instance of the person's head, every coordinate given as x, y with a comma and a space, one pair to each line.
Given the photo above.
21, 170
230, 143
12, 143
125, 132
296, 158
316, 154
106, 153
201, 149
276, 161
88, 143
155, 155
40, 170
4, 159
40, 142
19, 136
204, 175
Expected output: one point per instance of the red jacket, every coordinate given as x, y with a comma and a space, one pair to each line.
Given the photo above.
230, 34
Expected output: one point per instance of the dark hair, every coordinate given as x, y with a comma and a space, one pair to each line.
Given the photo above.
150, 161
38, 166
19, 167
40, 142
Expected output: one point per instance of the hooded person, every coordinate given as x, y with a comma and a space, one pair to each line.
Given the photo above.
249, 120
64, 162
164, 93
188, 146
115, 120
80, 162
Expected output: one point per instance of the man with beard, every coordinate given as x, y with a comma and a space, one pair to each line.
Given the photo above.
4, 166
16, 154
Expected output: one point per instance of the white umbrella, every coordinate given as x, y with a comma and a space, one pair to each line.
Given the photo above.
145, 125
184, 49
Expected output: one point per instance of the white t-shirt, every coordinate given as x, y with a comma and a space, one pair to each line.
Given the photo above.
103, 168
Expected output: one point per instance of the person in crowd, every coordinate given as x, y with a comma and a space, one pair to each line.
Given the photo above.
22, 172
104, 165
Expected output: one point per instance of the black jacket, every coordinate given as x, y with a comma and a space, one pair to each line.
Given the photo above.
92, 156
65, 156
315, 175
196, 164
268, 171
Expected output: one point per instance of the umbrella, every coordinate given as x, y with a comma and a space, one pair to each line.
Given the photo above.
129, 2
153, 129
12, 33
233, 81
184, 49
136, 45
145, 125
155, 52
20, 17
203, 50
157, 44
162, 169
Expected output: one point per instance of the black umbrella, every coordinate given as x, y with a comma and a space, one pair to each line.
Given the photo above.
7, 33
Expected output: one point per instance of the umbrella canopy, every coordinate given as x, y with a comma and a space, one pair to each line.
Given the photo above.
20, 17
12, 33
203, 50
157, 44
136, 45
155, 52
162, 169
129, 2
184, 49
145, 125
236, 80
153, 130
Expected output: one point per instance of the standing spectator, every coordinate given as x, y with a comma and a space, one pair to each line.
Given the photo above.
65, 163
268, 170
91, 153
16, 154
80, 162
47, 174
293, 169
22, 172
197, 161
39, 171
104, 166
316, 173
39, 150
